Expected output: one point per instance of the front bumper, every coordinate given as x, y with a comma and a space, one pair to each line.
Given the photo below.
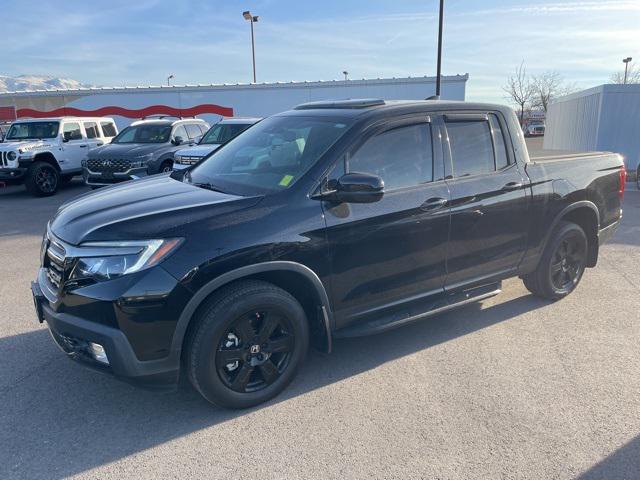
74, 328
12, 173
101, 179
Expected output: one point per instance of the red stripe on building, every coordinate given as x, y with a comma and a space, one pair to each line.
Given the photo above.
126, 112
7, 113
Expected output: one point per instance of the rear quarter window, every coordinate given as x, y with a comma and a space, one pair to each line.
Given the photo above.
108, 129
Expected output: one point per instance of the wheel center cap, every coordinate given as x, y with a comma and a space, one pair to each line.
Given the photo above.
255, 349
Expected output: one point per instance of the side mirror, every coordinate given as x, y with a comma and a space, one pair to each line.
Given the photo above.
64, 138
178, 140
358, 188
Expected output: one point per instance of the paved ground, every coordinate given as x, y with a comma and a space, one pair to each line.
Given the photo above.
514, 387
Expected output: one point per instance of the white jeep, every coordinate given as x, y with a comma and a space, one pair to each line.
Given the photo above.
43, 153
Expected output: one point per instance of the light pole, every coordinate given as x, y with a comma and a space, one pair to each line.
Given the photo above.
247, 16
626, 65
169, 80
346, 75
439, 69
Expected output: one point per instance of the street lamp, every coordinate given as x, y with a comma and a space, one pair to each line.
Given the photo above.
169, 80
439, 68
626, 65
346, 75
247, 16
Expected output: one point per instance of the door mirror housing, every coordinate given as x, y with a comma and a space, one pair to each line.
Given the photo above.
178, 140
357, 188
64, 138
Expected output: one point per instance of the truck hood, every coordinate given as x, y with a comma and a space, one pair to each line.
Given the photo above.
130, 150
199, 150
154, 207
26, 145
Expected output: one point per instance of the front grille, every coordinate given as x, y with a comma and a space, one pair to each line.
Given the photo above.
107, 165
55, 263
4, 159
188, 160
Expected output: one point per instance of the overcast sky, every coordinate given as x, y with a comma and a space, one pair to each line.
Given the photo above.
140, 42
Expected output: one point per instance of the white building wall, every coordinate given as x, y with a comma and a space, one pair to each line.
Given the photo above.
605, 118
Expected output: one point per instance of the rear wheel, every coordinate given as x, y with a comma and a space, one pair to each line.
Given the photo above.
42, 179
562, 264
247, 344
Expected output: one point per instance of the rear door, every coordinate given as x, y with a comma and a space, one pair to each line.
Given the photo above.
387, 253
489, 201
74, 146
93, 135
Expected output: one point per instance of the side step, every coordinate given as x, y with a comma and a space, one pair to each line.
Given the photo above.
414, 312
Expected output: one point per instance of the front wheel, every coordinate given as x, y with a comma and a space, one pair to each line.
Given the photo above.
166, 167
42, 179
247, 344
562, 263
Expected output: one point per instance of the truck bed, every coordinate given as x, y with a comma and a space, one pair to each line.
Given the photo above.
543, 155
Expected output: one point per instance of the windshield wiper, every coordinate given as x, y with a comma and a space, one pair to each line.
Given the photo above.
208, 186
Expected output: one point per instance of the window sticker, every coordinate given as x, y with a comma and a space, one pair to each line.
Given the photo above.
286, 180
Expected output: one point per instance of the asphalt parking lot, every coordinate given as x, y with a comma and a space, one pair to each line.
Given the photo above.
514, 387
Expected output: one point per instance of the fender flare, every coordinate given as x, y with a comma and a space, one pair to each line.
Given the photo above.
570, 208
242, 272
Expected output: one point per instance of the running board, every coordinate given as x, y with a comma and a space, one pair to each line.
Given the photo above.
399, 318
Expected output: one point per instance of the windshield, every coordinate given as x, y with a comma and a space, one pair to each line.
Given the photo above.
223, 132
144, 134
270, 156
33, 130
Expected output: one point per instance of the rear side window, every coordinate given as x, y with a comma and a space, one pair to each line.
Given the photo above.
193, 130
108, 129
502, 160
402, 157
471, 147
92, 129
71, 131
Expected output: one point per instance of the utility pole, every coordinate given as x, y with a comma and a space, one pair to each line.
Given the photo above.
247, 16
626, 65
439, 69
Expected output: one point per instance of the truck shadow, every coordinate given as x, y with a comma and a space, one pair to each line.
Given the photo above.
623, 463
59, 420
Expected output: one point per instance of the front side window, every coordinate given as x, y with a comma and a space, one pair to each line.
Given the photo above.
181, 132
144, 134
92, 129
269, 157
33, 130
402, 157
108, 129
71, 131
471, 147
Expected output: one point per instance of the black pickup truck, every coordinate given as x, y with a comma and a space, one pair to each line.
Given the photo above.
330, 220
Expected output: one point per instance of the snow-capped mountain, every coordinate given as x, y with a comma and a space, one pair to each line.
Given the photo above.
37, 82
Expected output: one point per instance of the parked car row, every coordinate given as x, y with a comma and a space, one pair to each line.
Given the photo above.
45, 153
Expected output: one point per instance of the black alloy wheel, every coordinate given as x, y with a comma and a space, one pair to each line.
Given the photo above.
254, 352
246, 344
562, 263
568, 263
42, 179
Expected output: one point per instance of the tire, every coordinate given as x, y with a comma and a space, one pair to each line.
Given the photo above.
166, 167
247, 344
42, 179
562, 263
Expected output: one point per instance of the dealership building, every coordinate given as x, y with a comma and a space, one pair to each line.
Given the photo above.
211, 102
606, 117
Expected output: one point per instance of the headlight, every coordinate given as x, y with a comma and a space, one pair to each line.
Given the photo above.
11, 156
108, 260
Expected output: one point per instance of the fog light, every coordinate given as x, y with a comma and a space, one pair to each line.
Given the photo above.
98, 353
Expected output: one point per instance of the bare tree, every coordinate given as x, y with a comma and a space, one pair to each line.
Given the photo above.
547, 87
633, 75
519, 89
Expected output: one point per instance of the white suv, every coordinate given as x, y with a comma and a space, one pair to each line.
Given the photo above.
43, 153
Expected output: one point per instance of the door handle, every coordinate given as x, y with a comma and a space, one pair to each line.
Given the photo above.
512, 186
83, 146
434, 203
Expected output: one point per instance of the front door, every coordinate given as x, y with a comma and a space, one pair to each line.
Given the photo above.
74, 147
489, 202
386, 253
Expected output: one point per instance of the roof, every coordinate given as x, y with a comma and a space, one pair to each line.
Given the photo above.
240, 120
368, 107
162, 121
59, 119
238, 86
